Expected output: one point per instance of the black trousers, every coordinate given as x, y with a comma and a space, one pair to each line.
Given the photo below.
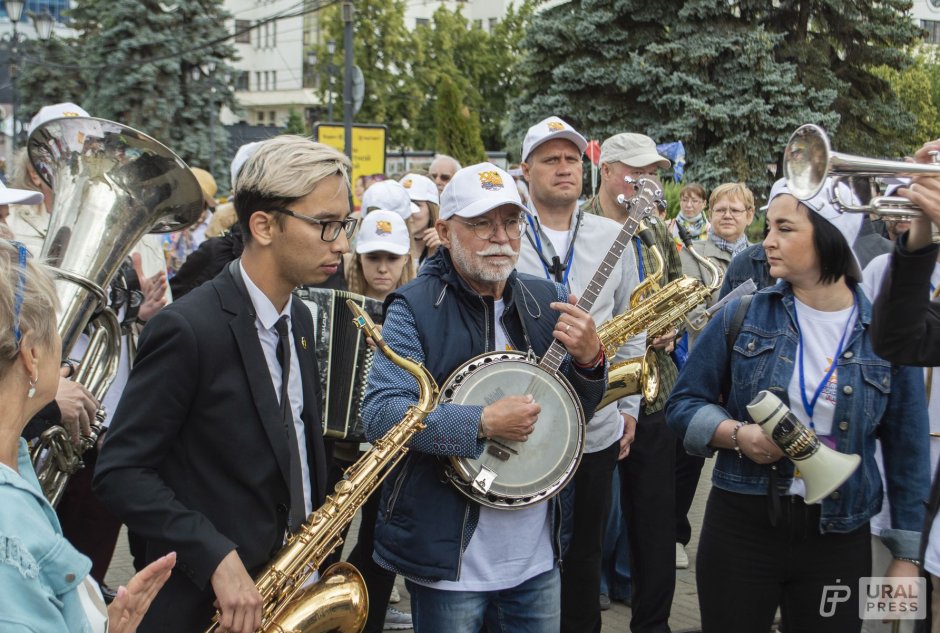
581, 564
747, 567
647, 493
688, 471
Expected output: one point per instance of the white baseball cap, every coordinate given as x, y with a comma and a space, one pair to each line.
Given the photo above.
241, 157
389, 195
848, 224
548, 129
478, 189
420, 188
57, 111
18, 196
384, 231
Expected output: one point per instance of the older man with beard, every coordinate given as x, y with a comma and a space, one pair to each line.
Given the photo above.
466, 565
566, 245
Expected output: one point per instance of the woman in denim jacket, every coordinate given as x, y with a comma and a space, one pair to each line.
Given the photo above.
44, 581
761, 545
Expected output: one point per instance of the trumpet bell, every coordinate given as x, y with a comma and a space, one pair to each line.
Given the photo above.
806, 161
112, 184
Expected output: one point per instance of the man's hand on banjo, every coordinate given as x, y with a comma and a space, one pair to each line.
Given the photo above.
577, 332
511, 418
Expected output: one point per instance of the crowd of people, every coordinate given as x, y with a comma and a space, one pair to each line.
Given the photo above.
213, 453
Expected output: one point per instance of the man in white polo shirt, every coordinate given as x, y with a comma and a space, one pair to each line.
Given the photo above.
565, 245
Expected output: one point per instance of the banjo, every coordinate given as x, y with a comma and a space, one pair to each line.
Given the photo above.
511, 474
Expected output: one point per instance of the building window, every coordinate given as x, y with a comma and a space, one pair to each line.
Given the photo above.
478, 24
422, 22
933, 31
241, 81
272, 115
258, 85
243, 31
260, 117
274, 34
273, 80
492, 23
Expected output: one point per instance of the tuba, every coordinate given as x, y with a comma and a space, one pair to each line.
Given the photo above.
112, 184
339, 601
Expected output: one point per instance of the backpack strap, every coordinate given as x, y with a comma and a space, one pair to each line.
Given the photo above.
734, 330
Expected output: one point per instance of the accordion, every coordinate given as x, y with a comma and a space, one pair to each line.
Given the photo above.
343, 356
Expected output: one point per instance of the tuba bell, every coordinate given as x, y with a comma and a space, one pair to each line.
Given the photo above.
112, 184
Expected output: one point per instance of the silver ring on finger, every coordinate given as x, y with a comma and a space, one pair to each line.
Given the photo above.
567, 328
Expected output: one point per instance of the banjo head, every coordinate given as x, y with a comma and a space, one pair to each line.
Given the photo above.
512, 474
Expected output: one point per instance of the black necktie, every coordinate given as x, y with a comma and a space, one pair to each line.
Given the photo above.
297, 506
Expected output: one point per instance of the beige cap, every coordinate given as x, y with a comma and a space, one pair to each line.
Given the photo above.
635, 150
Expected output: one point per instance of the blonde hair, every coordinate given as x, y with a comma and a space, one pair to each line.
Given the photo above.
732, 190
356, 280
20, 178
282, 170
39, 303
222, 220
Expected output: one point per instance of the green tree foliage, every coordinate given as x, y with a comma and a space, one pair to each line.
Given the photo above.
918, 89
458, 128
404, 69
729, 79
383, 50
142, 66
836, 45
295, 124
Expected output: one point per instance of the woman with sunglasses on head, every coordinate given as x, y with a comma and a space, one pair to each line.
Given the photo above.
44, 581
805, 340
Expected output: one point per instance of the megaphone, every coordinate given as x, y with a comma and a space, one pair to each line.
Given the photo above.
821, 468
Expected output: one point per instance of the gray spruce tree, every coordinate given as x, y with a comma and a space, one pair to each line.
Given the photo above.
152, 66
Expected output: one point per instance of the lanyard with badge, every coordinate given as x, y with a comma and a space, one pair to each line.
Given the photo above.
810, 405
553, 269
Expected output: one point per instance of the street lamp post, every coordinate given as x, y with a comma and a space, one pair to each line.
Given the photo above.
43, 22
14, 10
331, 69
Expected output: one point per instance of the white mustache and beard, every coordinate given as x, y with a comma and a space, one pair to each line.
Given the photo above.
476, 264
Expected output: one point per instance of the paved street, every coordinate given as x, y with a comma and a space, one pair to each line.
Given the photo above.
685, 618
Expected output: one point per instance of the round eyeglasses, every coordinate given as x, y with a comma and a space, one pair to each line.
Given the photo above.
486, 229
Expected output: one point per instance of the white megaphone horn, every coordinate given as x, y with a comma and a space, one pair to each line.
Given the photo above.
822, 469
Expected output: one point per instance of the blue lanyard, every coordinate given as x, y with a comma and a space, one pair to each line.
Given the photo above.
538, 246
810, 405
639, 259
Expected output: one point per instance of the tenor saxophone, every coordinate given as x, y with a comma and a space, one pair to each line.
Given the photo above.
338, 601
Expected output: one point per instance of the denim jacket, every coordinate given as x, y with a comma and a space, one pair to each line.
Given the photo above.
39, 569
875, 399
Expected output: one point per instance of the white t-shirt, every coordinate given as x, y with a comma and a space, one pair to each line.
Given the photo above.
561, 240
873, 278
820, 333
508, 547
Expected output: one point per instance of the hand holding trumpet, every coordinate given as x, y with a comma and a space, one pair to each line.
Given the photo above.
924, 191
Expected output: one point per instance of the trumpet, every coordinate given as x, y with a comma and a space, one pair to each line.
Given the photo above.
808, 160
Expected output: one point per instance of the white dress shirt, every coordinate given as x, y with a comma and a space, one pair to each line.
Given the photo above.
266, 315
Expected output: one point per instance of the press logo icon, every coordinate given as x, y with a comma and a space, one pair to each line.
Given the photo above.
832, 597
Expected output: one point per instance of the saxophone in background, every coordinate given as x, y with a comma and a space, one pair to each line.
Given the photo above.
338, 602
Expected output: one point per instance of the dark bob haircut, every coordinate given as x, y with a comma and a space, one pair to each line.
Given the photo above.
835, 254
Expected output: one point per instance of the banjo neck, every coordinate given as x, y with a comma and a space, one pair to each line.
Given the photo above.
639, 206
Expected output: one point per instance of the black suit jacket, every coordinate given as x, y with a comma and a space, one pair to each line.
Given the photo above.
197, 458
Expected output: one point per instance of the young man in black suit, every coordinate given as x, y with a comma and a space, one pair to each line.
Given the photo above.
201, 457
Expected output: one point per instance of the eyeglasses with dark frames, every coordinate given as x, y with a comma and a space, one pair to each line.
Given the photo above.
329, 229
486, 229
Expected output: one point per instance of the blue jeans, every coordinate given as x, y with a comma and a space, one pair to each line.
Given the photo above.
532, 607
